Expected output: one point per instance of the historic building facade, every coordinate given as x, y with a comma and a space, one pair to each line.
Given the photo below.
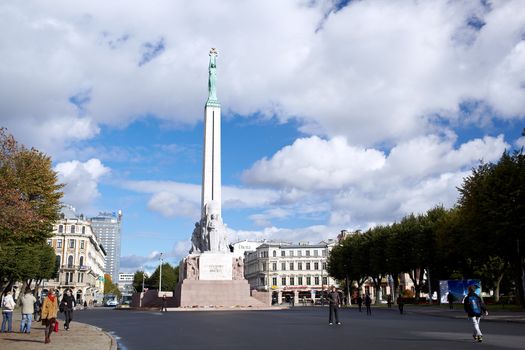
290, 271
79, 256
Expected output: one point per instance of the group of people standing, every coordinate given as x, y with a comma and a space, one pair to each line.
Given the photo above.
31, 308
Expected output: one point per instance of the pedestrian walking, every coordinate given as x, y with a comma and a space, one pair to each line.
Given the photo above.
67, 306
8, 305
28, 308
164, 303
389, 301
334, 300
368, 303
475, 307
360, 302
37, 307
49, 314
450, 299
400, 304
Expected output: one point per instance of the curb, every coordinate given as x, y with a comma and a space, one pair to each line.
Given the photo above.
114, 344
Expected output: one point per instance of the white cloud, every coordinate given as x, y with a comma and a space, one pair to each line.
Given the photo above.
81, 181
373, 71
148, 263
370, 187
315, 164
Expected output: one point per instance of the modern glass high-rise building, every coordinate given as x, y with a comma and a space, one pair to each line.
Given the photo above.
107, 227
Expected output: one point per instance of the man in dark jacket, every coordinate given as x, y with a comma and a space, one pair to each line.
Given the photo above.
66, 305
475, 307
335, 300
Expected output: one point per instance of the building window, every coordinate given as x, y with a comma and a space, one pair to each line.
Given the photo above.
274, 281
316, 253
49, 242
291, 266
283, 253
283, 281
274, 266
316, 280
262, 281
291, 253
299, 253
274, 253
70, 261
299, 266
325, 280
324, 266
59, 243
83, 229
308, 266
60, 229
80, 278
324, 252
283, 266
292, 280
307, 253
316, 266
72, 242
82, 244
57, 261
81, 261
72, 228
300, 281
308, 281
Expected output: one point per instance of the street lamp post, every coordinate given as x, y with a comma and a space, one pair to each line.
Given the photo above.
160, 274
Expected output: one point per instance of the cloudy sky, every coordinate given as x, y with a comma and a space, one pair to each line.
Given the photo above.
336, 115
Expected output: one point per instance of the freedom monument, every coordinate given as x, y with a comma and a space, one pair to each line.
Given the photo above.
210, 275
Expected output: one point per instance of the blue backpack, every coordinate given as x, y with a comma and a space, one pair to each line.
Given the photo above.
475, 305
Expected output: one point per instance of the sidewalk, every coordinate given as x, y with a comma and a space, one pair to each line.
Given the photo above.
80, 337
457, 312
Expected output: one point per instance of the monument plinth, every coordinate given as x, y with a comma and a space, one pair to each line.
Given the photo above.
210, 276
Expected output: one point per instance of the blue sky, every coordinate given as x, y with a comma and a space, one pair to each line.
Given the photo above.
336, 114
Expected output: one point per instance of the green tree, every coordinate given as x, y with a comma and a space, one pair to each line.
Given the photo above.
110, 287
492, 205
138, 278
170, 277
29, 205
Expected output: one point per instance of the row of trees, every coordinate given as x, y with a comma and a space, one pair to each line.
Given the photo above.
483, 236
170, 277
29, 204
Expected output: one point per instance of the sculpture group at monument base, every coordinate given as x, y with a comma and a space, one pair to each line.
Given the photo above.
202, 293
213, 280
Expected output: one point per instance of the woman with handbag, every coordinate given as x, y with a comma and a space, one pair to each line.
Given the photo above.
49, 314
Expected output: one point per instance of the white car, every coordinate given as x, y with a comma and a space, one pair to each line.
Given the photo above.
112, 302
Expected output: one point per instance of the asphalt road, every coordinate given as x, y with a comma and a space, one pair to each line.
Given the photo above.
299, 328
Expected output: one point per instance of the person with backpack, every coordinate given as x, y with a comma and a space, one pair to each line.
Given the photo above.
8, 305
475, 307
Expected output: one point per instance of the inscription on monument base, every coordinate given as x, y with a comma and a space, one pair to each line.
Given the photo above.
215, 266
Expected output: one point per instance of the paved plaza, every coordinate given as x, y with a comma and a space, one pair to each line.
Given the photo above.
302, 328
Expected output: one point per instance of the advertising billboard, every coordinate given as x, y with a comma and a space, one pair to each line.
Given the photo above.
458, 288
